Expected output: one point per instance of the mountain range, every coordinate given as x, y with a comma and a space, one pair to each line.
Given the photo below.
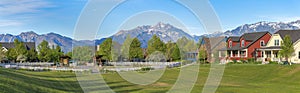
166, 32
53, 39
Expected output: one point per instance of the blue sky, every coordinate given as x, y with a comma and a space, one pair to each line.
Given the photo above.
44, 16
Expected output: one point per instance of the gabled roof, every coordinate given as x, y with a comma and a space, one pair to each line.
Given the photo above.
295, 34
253, 36
234, 38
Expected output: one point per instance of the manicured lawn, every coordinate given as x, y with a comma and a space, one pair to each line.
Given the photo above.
15, 81
238, 78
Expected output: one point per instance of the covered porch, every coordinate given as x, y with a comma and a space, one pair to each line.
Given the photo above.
269, 54
233, 54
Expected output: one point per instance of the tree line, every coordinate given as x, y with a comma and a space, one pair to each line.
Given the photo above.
20, 53
132, 50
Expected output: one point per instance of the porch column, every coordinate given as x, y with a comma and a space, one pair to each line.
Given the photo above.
239, 53
272, 55
226, 54
231, 54
246, 53
220, 54
265, 56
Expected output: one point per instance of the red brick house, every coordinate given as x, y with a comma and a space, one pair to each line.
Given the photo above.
245, 46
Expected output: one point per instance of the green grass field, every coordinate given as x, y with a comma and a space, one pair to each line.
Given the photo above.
240, 78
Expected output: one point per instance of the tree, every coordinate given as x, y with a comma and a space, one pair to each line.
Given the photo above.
57, 53
155, 44
82, 53
20, 47
172, 51
2, 54
44, 51
186, 45
11, 54
287, 48
135, 50
21, 58
32, 55
125, 47
175, 53
70, 54
105, 49
202, 55
18, 50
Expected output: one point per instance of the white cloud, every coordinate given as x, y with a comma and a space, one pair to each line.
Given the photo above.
13, 7
5, 23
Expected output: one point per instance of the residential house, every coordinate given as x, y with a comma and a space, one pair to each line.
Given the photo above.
270, 52
211, 46
245, 46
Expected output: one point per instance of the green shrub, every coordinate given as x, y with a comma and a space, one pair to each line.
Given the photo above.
234, 61
243, 61
251, 60
147, 68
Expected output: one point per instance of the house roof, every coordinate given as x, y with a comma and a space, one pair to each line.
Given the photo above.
293, 33
9, 45
253, 37
234, 38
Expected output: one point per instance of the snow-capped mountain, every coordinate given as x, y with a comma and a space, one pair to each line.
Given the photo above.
272, 27
166, 32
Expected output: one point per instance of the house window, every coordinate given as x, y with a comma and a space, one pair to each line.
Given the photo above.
243, 43
276, 42
299, 55
262, 43
230, 44
262, 54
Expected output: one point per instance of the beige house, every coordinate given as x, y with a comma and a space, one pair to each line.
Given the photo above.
270, 52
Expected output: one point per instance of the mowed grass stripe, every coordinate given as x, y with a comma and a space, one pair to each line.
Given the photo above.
238, 78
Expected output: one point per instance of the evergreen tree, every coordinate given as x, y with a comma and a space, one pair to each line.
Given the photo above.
32, 55
287, 48
70, 54
105, 49
20, 50
57, 53
125, 47
155, 44
202, 55
135, 50
11, 54
44, 51
172, 51
175, 53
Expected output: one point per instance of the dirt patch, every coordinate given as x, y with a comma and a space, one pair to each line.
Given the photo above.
293, 71
230, 84
160, 84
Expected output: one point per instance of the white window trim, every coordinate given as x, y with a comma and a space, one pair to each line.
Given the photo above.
262, 41
276, 43
243, 43
230, 44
